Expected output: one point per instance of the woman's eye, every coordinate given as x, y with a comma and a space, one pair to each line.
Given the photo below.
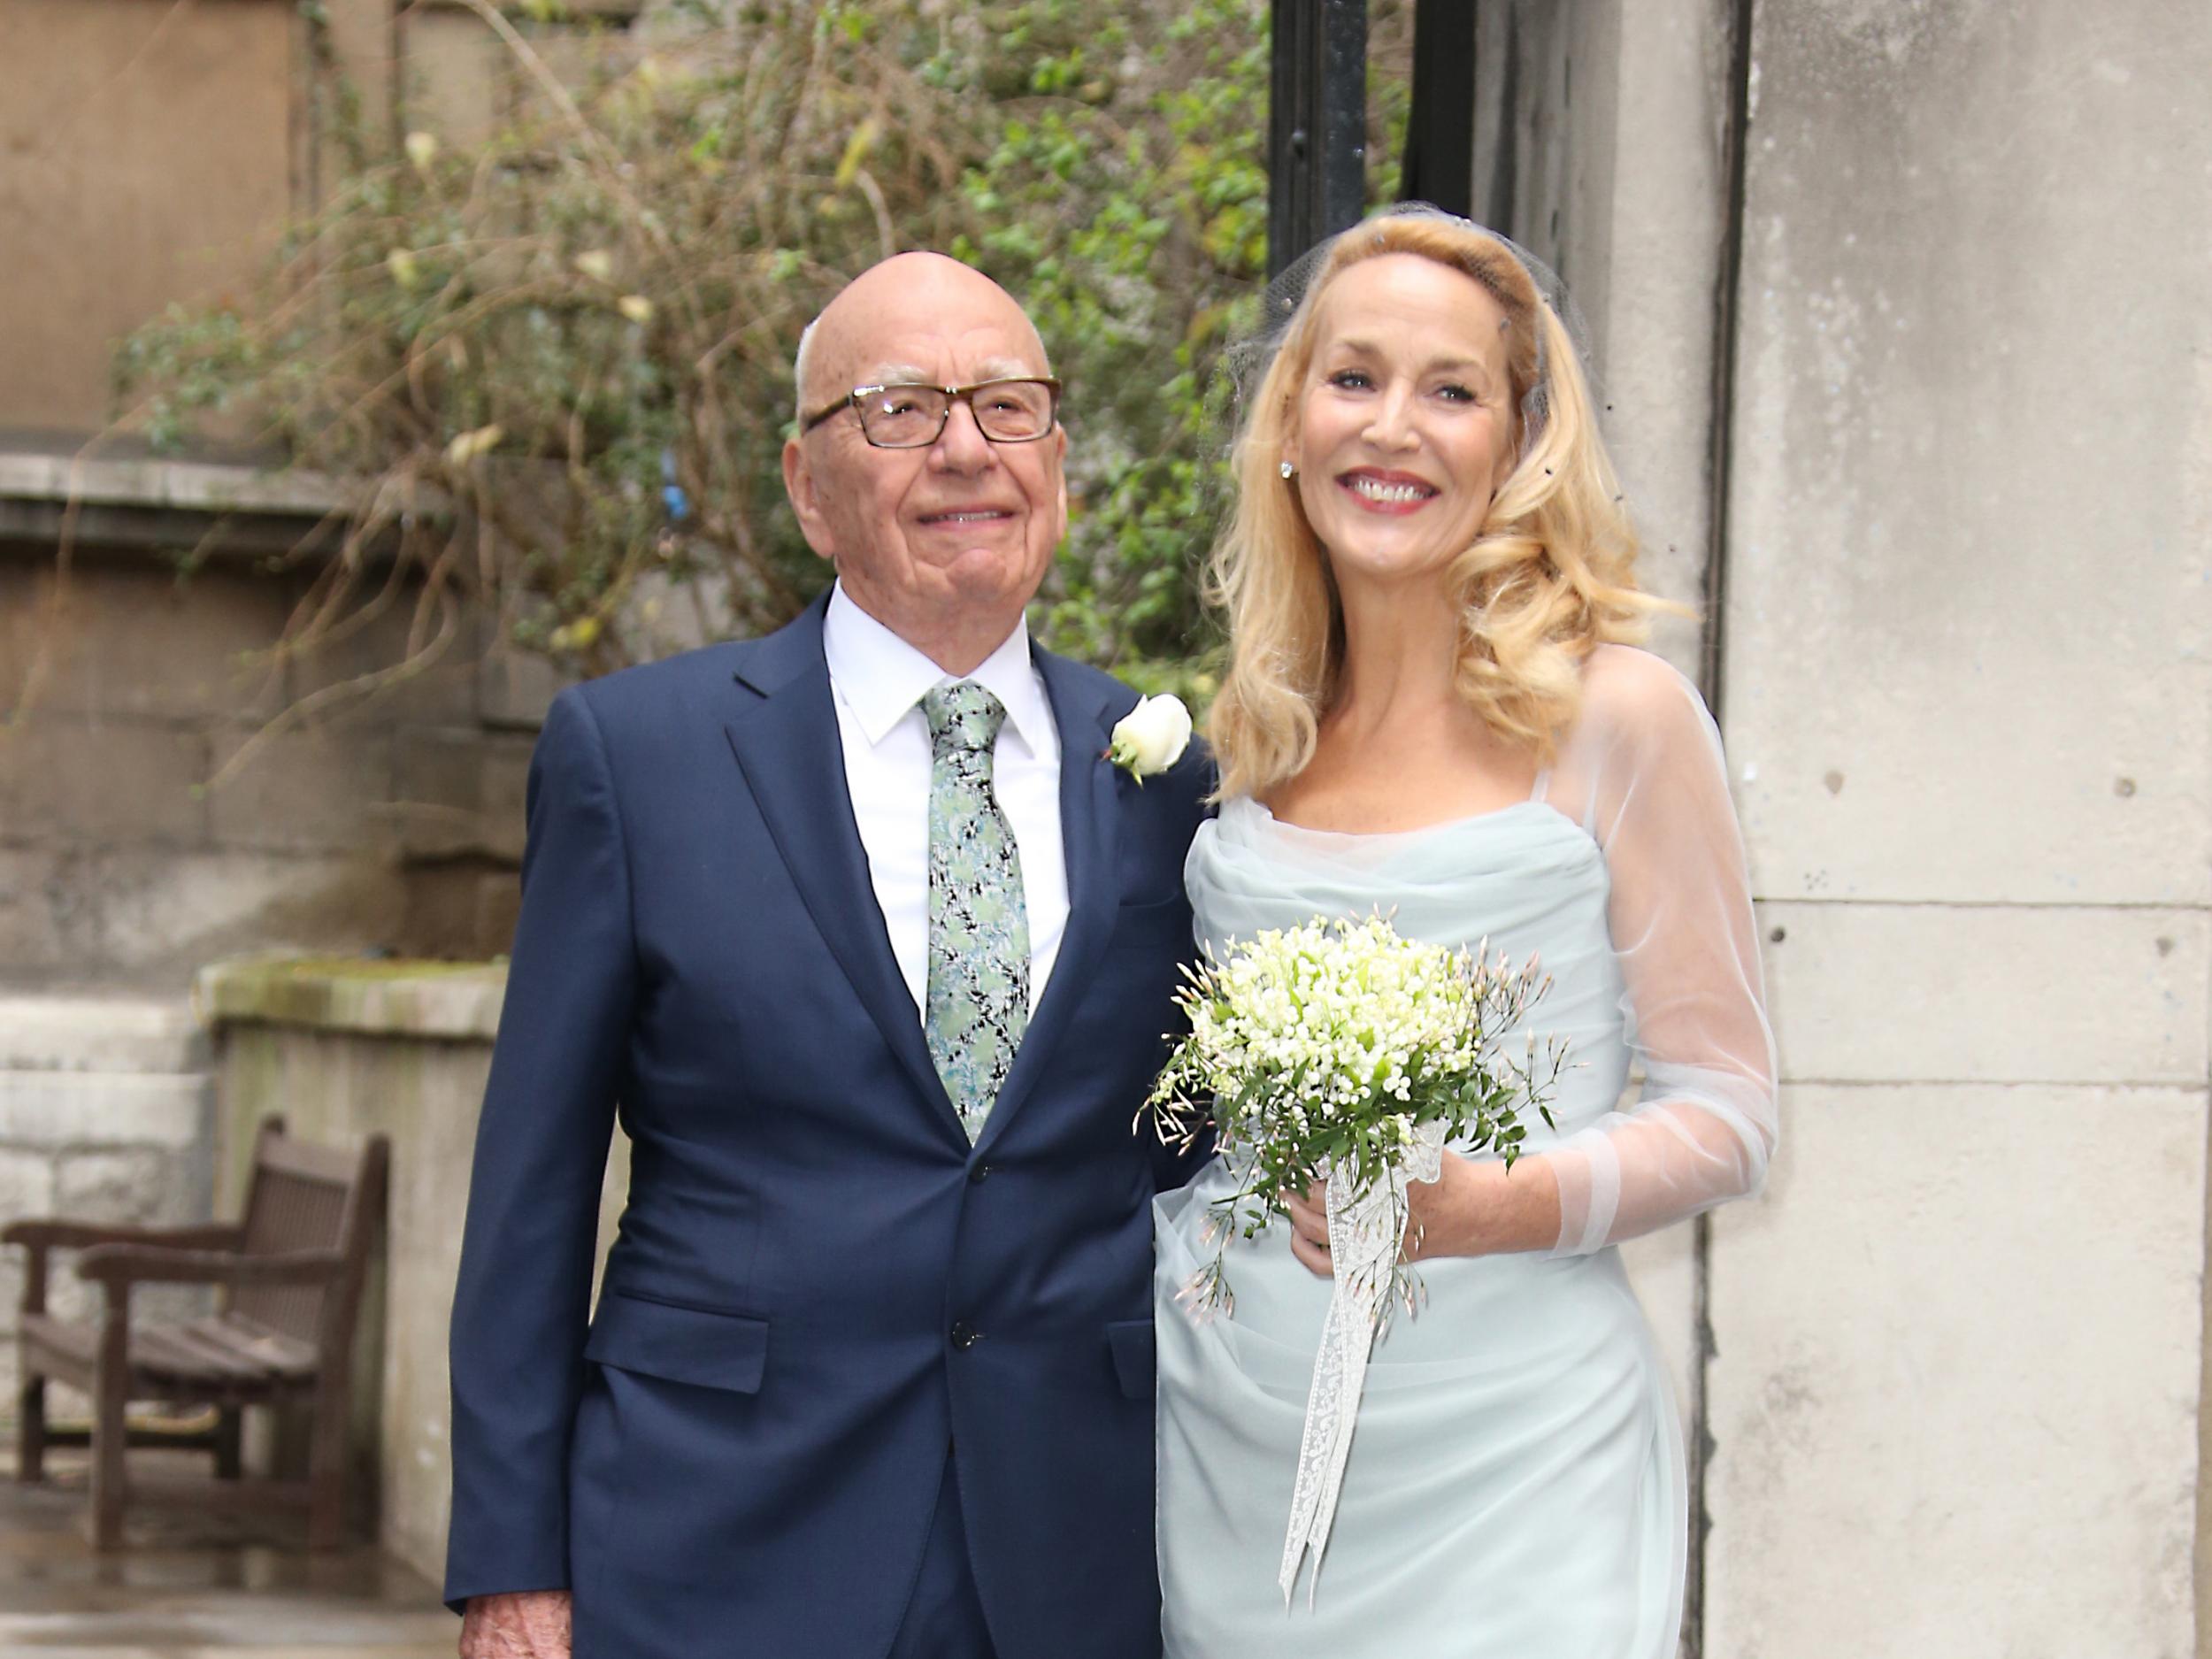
1456, 394
1351, 380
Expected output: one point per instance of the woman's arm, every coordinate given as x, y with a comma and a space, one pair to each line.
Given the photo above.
1705, 1124
1644, 775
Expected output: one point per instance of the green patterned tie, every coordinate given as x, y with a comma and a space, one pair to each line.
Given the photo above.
979, 927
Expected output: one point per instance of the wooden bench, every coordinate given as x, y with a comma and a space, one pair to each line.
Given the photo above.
291, 1275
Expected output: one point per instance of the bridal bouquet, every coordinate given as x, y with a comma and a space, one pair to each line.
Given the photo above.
1342, 1052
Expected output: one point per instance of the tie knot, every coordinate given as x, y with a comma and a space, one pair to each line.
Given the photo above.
962, 717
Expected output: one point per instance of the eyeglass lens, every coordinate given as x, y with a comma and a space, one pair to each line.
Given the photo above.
1008, 410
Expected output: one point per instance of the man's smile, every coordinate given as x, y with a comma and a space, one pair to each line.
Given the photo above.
968, 515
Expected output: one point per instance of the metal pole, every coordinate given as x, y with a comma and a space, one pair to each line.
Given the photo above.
1440, 160
1317, 125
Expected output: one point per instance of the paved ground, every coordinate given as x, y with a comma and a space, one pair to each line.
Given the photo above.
195, 1586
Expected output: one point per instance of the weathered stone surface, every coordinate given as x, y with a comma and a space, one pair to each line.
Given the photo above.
26, 1180
60, 1109
1965, 663
399, 670
1891, 992
1969, 708
411, 999
141, 1185
127, 638
1954, 1395
515, 687
452, 73
462, 792
326, 789
175, 189
141, 917
103, 782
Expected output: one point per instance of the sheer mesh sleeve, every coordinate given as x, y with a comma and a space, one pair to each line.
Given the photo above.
1642, 772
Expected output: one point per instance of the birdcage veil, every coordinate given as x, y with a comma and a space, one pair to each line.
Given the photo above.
1248, 358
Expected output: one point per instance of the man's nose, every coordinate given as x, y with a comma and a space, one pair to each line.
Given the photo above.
962, 447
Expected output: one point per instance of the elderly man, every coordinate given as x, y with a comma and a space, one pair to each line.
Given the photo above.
872, 944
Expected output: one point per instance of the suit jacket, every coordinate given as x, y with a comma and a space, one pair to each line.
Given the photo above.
818, 1286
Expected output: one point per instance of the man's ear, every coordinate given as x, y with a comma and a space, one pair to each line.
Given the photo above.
1060, 438
798, 484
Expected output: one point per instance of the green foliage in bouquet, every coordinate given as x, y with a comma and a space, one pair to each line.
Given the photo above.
1332, 1048
551, 366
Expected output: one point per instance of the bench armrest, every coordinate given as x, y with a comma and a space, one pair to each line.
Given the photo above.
54, 1235
150, 1265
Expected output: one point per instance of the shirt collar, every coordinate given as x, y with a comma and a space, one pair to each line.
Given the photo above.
882, 677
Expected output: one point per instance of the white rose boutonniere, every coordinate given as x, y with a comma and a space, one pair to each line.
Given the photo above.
1151, 737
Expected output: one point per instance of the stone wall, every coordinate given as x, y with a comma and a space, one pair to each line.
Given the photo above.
344, 1051
1956, 1384
132, 849
105, 1110
107, 109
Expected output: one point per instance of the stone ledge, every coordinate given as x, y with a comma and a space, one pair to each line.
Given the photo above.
448, 1000
90, 1032
125, 480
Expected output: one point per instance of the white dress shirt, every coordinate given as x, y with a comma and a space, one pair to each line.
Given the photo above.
878, 681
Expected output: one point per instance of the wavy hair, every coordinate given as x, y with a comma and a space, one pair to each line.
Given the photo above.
1549, 575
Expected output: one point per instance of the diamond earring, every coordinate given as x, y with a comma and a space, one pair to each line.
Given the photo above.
1289, 471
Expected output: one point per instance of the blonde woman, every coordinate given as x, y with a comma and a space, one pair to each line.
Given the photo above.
1433, 709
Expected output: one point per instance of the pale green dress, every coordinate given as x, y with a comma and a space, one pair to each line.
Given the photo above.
1516, 1484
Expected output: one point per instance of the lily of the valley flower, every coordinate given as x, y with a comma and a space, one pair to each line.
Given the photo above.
1151, 737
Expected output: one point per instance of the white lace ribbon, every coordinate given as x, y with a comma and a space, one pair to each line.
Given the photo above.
1364, 1235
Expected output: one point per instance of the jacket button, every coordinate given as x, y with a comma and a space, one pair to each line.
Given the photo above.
966, 1336
980, 1173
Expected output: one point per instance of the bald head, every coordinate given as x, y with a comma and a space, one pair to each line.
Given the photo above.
944, 543
854, 342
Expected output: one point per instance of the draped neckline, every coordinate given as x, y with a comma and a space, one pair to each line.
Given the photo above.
1466, 820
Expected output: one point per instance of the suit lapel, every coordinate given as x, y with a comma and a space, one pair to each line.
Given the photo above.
788, 747
1090, 823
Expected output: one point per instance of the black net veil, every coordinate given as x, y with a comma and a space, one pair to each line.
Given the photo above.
1246, 358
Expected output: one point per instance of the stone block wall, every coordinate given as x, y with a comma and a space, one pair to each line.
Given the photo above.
151, 817
346, 1051
106, 1110
1957, 1381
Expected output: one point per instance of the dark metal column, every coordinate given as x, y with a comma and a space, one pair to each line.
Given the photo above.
1440, 162
1317, 125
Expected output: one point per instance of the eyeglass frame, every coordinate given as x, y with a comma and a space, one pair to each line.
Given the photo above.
952, 395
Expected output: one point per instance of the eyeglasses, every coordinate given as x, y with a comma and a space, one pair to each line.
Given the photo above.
914, 417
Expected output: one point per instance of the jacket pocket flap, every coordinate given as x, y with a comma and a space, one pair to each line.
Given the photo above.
686, 1345
1135, 1358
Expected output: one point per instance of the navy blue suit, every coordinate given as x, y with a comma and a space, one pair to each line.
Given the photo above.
819, 1287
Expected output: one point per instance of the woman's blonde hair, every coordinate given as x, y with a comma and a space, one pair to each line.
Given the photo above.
1549, 575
